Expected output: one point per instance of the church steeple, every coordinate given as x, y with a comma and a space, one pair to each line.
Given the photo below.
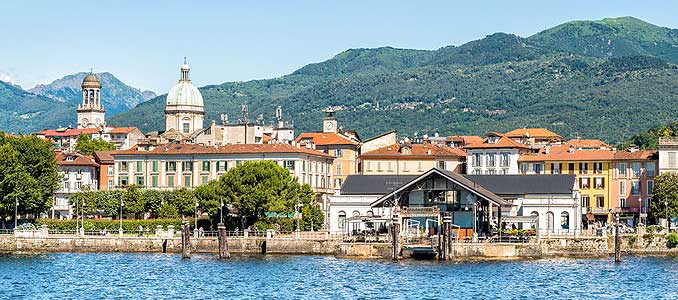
91, 112
184, 72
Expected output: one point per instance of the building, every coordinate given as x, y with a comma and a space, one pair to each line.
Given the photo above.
91, 113
105, 170
350, 211
633, 182
76, 173
534, 137
496, 154
588, 144
407, 158
175, 165
379, 141
460, 141
593, 169
668, 155
184, 111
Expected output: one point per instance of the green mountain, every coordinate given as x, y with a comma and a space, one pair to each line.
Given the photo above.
24, 112
116, 96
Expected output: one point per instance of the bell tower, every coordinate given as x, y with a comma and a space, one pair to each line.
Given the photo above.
330, 122
91, 113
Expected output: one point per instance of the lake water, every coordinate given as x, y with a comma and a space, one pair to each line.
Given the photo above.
167, 276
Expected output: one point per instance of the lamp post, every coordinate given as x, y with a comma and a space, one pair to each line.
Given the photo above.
16, 211
196, 213
120, 216
297, 214
82, 217
668, 223
221, 211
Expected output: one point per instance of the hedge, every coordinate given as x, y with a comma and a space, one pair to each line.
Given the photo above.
110, 225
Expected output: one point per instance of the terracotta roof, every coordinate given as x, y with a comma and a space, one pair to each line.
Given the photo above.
104, 156
121, 129
562, 153
465, 139
416, 151
227, 149
636, 155
503, 142
380, 135
324, 139
587, 144
77, 160
67, 132
533, 132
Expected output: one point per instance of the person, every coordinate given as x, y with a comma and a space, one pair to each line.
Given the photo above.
141, 230
201, 232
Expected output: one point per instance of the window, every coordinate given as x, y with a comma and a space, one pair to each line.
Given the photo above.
123, 166
649, 169
490, 160
441, 165
564, 220
339, 152
570, 168
598, 168
303, 166
205, 166
187, 180
316, 166
78, 185
585, 201
650, 187
672, 160
154, 181
622, 188
139, 167
621, 169
369, 166
647, 202
221, 166
636, 169
600, 201
316, 181
155, 166
322, 182
390, 166
635, 188
342, 220
599, 182
339, 168
110, 184
504, 160
123, 181
490, 172
289, 164
622, 202
504, 171
205, 179
109, 170
171, 166
170, 181
555, 168
140, 181
186, 128
477, 160
523, 168
584, 183
379, 167
538, 168
583, 168
549, 221
419, 167
187, 166
477, 172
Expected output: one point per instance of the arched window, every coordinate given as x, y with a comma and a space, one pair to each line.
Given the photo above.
369, 213
549, 221
535, 214
342, 220
565, 220
356, 213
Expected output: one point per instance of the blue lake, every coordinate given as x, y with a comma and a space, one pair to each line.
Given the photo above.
167, 276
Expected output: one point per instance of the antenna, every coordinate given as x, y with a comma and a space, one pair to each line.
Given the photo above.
184, 59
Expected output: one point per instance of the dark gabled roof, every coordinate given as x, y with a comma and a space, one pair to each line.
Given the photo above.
373, 184
525, 184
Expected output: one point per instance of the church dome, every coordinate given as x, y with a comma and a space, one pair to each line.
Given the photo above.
91, 80
184, 93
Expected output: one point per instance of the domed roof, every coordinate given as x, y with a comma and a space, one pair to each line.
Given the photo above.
184, 93
91, 80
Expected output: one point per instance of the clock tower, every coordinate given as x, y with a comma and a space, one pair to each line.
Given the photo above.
330, 122
91, 113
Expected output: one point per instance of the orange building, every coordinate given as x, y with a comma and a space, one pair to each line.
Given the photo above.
633, 182
412, 159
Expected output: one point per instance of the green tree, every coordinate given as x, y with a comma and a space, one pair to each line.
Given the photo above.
209, 197
133, 200
665, 191
88, 146
311, 215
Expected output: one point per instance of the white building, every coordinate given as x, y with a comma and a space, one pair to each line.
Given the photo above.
91, 113
77, 173
495, 155
668, 155
184, 111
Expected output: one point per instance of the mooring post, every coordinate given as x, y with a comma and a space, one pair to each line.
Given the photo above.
223, 245
447, 221
617, 239
394, 237
185, 240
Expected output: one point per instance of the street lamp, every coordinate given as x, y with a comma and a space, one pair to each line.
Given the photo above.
120, 216
668, 223
196, 213
16, 211
221, 211
297, 214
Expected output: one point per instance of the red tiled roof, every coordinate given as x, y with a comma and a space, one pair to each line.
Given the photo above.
416, 151
591, 144
67, 132
227, 149
78, 160
324, 139
465, 139
562, 153
121, 129
636, 155
503, 142
532, 132
104, 156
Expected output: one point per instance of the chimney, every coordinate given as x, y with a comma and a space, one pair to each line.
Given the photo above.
571, 150
547, 149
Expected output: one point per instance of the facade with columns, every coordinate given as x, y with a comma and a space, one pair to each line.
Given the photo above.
91, 113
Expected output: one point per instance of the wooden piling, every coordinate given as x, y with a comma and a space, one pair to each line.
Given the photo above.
395, 236
223, 245
617, 239
185, 240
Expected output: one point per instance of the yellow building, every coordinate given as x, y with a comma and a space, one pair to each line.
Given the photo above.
593, 169
412, 159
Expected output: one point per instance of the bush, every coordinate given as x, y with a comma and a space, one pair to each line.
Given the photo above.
110, 225
632, 240
672, 240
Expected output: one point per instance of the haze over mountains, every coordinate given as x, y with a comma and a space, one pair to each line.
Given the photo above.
604, 79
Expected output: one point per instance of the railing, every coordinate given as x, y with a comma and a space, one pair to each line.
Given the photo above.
6, 231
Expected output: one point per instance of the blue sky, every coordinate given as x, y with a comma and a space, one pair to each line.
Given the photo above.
143, 42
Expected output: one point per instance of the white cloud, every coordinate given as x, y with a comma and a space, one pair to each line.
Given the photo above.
7, 78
